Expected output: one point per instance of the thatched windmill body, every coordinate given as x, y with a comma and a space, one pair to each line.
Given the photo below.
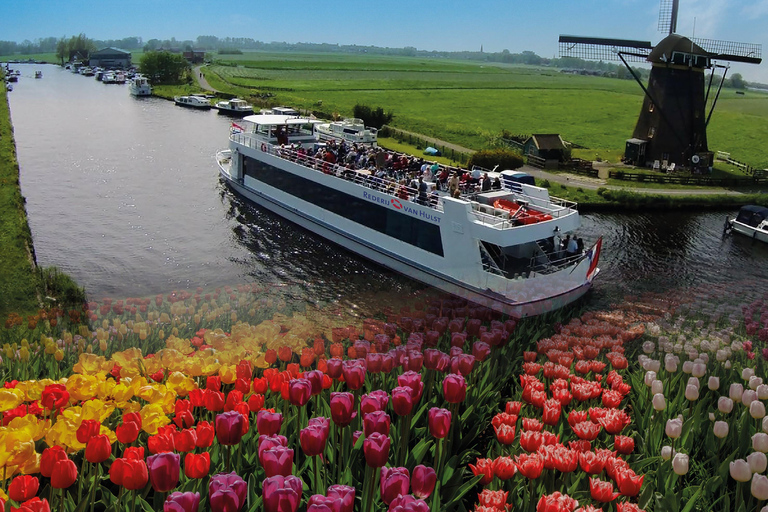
672, 126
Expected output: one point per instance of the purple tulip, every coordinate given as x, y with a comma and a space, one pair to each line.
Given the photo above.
334, 368
439, 421
374, 401
354, 371
394, 482
376, 449
320, 503
229, 428
224, 500
315, 377
343, 408
458, 339
227, 483
412, 380
281, 494
402, 400
377, 421
182, 502
269, 442
299, 391
463, 364
163, 470
268, 423
407, 503
423, 481
277, 461
346, 494
313, 439
481, 350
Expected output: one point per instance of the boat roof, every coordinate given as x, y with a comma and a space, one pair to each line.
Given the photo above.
755, 209
278, 119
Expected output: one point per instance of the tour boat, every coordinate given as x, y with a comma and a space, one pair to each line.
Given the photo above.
351, 130
139, 86
463, 245
751, 221
193, 101
234, 107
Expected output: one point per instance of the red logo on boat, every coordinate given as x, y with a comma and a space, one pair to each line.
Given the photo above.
397, 204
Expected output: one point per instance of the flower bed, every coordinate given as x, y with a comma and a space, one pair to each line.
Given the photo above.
432, 406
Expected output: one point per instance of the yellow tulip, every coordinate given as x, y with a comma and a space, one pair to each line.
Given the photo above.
10, 399
24, 354
152, 418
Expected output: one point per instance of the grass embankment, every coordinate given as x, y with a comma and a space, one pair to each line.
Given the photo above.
24, 287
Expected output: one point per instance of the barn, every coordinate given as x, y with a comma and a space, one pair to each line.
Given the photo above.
547, 146
111, 58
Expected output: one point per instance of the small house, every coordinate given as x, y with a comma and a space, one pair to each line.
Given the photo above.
195, 56
548, 147
110, 58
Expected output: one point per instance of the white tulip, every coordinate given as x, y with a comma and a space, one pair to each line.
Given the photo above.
755, 381
657, 386
641, 359
721, 355
654, 365
764, 509
693, 381
674, 428
688, 366
765, 424
721, 429
760, 442
727, 365
680, 464
762, 392
735, 392
747, 372
667, 452
713, 383
670, 365
704, 357
691, 392
650, 376
740, 471
711, 416
757, 462
759, 486
649, 347
658, 401
699, 369
757, 409
748, 397
736, 346
724, 405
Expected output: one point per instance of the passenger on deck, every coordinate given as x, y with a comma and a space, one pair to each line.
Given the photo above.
422, 199
486, 187
453, 184
496, 185
571, 248
579, 246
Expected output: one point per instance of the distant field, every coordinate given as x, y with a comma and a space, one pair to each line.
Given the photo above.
470, 103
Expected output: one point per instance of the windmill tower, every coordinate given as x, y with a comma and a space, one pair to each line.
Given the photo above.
672, 125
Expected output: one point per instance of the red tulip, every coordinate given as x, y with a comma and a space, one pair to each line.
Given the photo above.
256, 402
530, 466
376, 449
439, 422
98, 449
49, 457
624, 445
377, 421
628, 482
402, 400
575, 417
587, 430
229, 428
504, 468
213, 383
127, 432
281, 494
556, 502
530, 440
513, 408
423, 481
197, 465
213, 400
483, 467
163, 471
602, 491
87, 429
185, 440
205, 433
32, 505
277, 460
313, 439
394, 481
23, 488
614, 421
342, 408
160, 442
591, 463
134, 452
505, 434
565, 459
54, 396
454, 388
268, 423
493, 499
64, 474
129, 473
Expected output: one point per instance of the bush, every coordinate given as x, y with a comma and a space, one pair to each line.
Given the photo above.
490, 158
372, 117
546, 184
601, 191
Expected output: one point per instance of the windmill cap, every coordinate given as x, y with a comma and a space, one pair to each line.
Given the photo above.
675, 43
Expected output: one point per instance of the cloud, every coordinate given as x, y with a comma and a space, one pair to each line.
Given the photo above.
707, 16
756, 9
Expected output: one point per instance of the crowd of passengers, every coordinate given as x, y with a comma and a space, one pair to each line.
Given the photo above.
406, 177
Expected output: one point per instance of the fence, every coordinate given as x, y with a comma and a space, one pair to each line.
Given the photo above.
422, 142
703, 181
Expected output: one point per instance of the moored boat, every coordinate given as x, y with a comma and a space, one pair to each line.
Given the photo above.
351, 130
751, 221
463, 245
193, 101
139, 86
234, 107
38, 74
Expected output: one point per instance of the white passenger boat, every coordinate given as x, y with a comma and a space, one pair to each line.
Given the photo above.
139, 86
494, 256
751, 221
193, 101
351, 130
234, 107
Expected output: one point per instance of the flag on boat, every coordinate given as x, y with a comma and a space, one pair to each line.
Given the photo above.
594, 256
236, 128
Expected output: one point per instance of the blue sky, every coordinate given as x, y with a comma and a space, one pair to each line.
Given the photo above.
424, 24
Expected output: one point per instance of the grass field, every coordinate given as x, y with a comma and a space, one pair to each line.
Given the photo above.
470, 103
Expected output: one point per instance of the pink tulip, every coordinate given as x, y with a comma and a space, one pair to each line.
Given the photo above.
320, 503
376, 449
268, 423
313, 439
315, 377
481, 350
439, 421
454, 388
346, 494
394, 482
281, 494
423, 481
407, 503
402, 400
182, 502
354, 371
269, 442
277, 461
163, 471
299, 391
374, 401
227, 492
229, 428
342, 408
412, 380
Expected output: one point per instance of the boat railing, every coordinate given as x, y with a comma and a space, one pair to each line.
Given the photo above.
555, 262
362, 177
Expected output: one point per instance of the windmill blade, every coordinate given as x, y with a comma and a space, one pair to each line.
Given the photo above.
668, 16
601, 48
750, 53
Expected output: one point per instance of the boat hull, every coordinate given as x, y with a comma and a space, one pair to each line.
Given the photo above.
754, 233
420, 273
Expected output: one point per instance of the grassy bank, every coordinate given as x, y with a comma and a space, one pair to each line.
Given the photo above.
24, 287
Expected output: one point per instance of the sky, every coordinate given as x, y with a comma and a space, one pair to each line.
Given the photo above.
448, 25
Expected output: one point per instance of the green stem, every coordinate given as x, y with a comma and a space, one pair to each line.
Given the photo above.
92, 494
229, 458
133, 506
318, 488
439, 470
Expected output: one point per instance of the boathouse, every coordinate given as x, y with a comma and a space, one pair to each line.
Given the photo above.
113, 58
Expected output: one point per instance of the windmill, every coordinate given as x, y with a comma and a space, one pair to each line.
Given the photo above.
672, 126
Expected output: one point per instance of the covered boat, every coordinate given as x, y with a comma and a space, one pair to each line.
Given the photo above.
751, 221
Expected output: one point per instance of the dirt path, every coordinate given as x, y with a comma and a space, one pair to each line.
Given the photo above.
201, 81
436, 142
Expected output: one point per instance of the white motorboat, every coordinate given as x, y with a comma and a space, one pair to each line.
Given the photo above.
140, 86
751, 221
352, 130
193, 101
234, 107
463, 245
38, 74
108, 77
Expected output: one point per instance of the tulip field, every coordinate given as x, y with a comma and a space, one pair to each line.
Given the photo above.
193, 402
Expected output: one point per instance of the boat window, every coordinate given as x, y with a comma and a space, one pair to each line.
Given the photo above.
401, 226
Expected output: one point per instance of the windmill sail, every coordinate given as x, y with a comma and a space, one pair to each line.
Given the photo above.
601, 48
750, 53
668, 16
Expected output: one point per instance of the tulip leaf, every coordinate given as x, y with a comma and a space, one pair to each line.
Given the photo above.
648, 492
461, 491
421, 449
256, 505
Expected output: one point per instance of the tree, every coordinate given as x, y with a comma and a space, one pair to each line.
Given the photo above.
164, 67
737, 81
490, 158
372, 117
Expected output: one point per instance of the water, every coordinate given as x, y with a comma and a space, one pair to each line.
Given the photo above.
123, 194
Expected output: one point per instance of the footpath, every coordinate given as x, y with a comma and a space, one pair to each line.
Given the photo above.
201, 81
